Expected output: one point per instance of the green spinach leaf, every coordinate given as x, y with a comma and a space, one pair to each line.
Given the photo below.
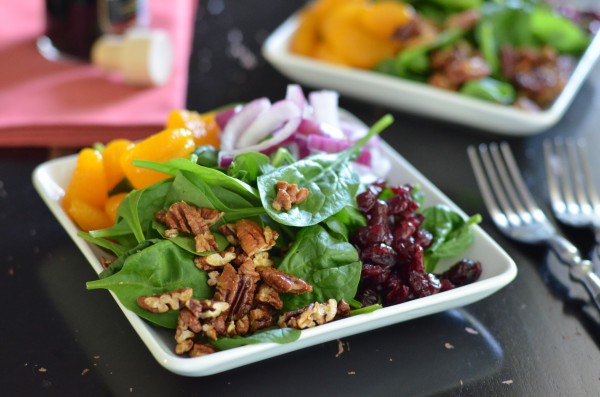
330, 265
451, 234
331, 182
278, 335
160, 267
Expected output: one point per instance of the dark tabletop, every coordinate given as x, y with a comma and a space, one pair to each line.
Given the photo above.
534, 337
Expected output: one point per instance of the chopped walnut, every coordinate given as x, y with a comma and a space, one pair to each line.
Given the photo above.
192, 220
253, 238
314, 314
283, 282
288, 194
162, 303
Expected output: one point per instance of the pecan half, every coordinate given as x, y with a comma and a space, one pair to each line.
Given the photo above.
162, 303
283, 282
288, 194
253, 238
187, 218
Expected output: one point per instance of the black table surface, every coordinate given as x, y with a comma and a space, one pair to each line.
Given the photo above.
538, 336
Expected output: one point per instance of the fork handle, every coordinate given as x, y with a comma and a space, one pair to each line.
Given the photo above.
581, 269
589, 279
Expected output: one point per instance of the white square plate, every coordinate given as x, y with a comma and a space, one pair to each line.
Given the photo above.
419, 98
51, 179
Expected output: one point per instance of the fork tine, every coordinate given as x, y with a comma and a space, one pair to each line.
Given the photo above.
555, 177
483, 174
578, 177
524, 201
570, 183
587, 183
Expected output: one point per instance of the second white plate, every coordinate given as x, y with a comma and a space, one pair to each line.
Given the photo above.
418, 98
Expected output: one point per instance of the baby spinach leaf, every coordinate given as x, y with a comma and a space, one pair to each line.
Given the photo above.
116, 248
490, 89
343, 223
193, 189
212, 177
331, 182
451, 234
278, 335
188, 243
248, 166
206, 155
139, 206
118, 263
158, 268
330, 265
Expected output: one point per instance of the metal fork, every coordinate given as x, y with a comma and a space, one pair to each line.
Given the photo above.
516, 214
573, 196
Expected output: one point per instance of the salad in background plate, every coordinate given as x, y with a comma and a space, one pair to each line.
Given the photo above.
505, 66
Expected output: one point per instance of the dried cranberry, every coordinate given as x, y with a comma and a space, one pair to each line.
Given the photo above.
366, 200
424, 284
398, 293
463, 272
404, 230
367, 297
378, 213
373, 234
380, 254
374, 276
446, 285
423, 238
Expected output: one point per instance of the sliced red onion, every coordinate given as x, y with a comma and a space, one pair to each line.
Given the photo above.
222, 117
267, 146
313, 127
295, 94
324, 104
365, 158
326, 144
353, 131
269, 121
240, 121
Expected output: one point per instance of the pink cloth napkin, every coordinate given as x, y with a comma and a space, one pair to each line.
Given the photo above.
73, 104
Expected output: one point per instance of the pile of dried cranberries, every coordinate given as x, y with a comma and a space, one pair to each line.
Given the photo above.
392, 247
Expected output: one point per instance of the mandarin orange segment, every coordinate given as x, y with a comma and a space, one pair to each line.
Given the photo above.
203, 126
160, 147
112, 161
86, 216
346, 38
88, 182
112, 205
383, 18
356, 33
